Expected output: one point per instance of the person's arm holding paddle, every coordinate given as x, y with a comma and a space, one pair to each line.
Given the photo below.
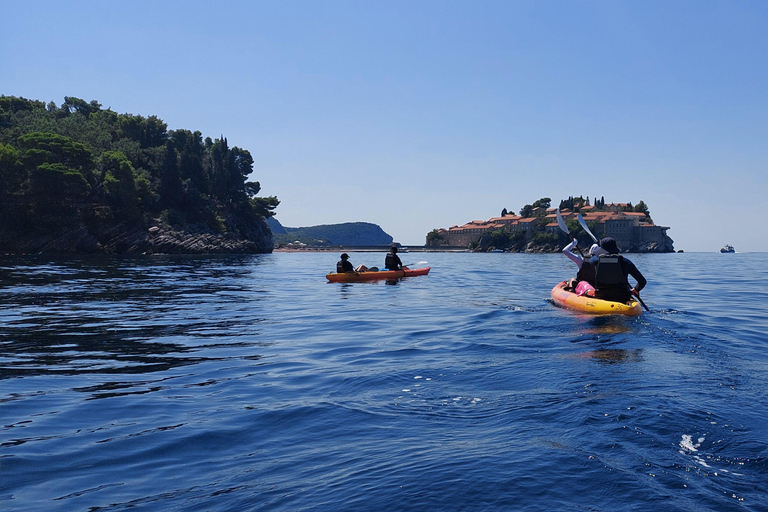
641, 281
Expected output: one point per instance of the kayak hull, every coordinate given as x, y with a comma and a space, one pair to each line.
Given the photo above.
591, 305
356, 277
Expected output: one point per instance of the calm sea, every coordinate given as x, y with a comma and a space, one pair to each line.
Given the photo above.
250, 383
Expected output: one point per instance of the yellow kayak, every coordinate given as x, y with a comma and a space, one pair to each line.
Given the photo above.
591, 305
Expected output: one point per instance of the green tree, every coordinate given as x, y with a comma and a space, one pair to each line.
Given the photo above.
433, 238
39, 148
641, 207
56, 191
265, 206
120, 184
170, 179
81, 106
11, 171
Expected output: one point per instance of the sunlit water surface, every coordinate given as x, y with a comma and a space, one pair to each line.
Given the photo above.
250, 383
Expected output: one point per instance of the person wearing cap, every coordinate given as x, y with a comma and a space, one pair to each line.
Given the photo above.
392, 260
585, 278
611, 274
344, 265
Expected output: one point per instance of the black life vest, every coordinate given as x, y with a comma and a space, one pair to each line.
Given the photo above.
344, 266
610, 281
586, 273
392, 261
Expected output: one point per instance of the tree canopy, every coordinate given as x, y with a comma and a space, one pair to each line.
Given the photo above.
80, 164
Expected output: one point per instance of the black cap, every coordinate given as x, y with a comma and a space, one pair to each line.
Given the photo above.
609, 244
345, 256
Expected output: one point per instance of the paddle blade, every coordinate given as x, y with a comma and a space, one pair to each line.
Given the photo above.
584, 226
561, 222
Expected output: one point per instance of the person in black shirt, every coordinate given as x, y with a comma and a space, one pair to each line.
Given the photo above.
392, 260
611, 271
344, 265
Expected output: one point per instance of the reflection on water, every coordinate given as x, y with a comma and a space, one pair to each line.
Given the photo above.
608, 324
613, 355
122, 316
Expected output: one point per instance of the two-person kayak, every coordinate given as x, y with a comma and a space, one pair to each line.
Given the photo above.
355, 277
591, 305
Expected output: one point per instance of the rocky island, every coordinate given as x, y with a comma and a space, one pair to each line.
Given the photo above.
536, 229
78, 178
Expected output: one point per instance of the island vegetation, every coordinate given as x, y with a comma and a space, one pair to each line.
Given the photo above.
348, 234
79, 178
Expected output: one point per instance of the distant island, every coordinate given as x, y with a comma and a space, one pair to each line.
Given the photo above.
77, 178
350, 234
536, 229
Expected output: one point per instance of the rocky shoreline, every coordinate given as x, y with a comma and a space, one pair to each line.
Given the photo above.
158, 239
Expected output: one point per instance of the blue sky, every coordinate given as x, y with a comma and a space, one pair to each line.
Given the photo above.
426, 114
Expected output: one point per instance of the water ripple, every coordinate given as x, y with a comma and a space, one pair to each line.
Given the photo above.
249, 383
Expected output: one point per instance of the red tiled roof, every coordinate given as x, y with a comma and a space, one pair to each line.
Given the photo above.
506, 218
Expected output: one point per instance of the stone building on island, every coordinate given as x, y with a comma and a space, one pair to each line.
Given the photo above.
633, 231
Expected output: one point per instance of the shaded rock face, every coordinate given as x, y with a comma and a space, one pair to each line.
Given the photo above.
667, 245
121, 240
542, 248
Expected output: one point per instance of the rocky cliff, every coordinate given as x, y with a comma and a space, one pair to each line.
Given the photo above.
158, 239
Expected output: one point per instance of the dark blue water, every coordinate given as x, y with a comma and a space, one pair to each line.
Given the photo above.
250, 383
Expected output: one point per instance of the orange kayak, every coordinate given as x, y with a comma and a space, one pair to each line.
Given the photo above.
584, 304
355, 277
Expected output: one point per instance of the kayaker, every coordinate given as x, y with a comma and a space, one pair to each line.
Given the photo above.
344, 265
585, 278
392, 260
611, 272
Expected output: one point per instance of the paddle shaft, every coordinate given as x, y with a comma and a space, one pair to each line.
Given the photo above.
641, 302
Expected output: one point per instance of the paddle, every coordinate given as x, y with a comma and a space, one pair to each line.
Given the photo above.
584, 226
561, 224
641, 302
417, 263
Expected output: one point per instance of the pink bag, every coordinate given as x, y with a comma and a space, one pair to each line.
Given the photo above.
584, 287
